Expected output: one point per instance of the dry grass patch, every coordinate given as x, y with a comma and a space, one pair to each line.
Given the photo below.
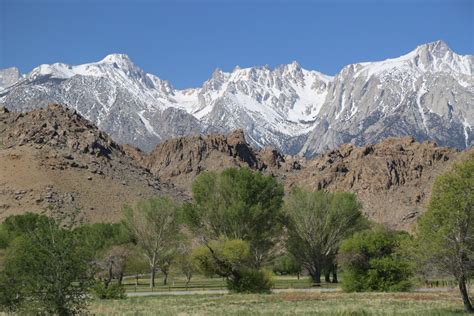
293, 303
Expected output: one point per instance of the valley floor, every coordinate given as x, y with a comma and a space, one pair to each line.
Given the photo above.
290, 303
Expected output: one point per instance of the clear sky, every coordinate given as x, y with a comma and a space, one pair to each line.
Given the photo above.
184, 41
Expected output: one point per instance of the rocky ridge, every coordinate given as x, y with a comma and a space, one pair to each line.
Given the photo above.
55, 157
392, 178
181, 159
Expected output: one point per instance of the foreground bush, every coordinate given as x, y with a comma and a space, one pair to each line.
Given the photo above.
113, 291
370, 262
251, 281
232, 259
47, 269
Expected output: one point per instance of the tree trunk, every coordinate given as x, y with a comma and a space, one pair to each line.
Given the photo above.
327, 278
165, 278
334, 276
120, 278
188, 278
465, 295
152, 278
109, 275
315, 276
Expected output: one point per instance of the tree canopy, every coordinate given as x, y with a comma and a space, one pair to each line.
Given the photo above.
47, 268
445, 233
238, 204
154, 225
317, 223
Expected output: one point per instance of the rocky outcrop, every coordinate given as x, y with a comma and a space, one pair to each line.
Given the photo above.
392, 179
180, 160
54, 157
57, 126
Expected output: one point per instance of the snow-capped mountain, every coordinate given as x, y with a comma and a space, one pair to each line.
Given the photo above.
427, 93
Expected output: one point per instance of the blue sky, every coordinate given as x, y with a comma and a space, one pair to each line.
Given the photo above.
184, 41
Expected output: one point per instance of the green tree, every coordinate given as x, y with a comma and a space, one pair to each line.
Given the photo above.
370, 261
136, 264
238, 204
185, 260
317, 223
287, 264
101, 236
49, 268
445, 233
16, 225
112, 263
154, 226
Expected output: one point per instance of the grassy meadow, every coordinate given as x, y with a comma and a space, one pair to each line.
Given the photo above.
292, 303
199, 282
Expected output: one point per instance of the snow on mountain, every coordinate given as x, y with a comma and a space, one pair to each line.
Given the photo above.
427, 93
8, 77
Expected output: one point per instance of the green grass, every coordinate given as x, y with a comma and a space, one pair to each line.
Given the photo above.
177, 283
302, 303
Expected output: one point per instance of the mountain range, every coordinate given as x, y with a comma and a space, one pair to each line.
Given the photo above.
55, 157
427, 93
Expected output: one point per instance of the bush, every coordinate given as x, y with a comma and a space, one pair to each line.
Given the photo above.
50, 269
227, 257
11, 296
371, 263
113, 291
251, 281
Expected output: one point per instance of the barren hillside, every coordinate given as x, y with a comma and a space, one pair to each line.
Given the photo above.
53, 156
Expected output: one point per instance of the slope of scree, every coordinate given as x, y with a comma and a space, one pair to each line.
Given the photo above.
53, 156
392, 179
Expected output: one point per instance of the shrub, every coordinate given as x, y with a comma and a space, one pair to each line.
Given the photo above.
370, 262
226, 257
113, 291
11, 296
51, 269
251, 281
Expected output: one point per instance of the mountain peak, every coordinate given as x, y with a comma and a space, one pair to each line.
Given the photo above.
438, 48
295, 64
116, 58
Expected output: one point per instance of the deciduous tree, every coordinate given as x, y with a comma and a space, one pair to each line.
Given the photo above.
445, 233
154, 225
317, 223
50, 268
238, 204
